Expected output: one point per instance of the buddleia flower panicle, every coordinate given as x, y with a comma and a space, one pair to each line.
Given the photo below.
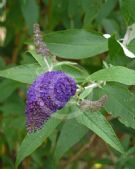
48, 93
93, 105
41, 47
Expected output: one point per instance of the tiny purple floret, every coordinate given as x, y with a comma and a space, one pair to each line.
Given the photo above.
48, 93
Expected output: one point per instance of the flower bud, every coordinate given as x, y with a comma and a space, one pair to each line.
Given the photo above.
93, 105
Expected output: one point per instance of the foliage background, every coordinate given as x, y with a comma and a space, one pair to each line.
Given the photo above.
98, 17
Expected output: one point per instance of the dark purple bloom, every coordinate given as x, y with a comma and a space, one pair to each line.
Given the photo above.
48, 93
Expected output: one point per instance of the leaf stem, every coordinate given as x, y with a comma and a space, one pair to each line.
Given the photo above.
48, 66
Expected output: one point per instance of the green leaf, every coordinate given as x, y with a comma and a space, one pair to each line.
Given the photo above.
106, 9
39, 59
120, 103
74, 9
7, 87
85, 93
116, 53
32, 141
13, 122
131, 45
30, 12
110, 26
127, 10
91, 9
114, 74
96, 122
74, 70
58, 12
27, 59
71, 133
23, 73
76, 44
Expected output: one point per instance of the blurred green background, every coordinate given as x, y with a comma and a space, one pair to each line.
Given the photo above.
16, 29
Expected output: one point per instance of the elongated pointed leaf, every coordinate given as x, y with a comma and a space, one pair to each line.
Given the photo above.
23, 73
96, 122
39, 59
114, 74
76, 44
32, 141
71, 133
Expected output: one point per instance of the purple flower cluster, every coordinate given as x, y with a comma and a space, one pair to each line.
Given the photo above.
48, 93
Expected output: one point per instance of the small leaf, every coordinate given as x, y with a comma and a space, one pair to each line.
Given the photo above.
23, 73
120, 103
76, 44
77, 72
71, 133
96, 122
114, 74
32, 141
116, 53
